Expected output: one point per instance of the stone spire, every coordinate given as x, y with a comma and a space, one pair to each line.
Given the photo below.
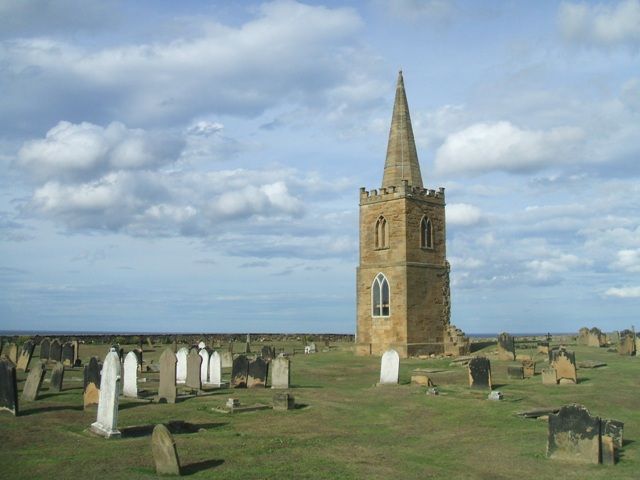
402, 158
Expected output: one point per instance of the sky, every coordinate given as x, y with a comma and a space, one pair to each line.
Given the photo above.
195, 166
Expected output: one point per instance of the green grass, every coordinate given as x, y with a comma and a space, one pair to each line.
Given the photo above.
348, 427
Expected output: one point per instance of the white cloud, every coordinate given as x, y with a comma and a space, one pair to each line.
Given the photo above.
623, 292
467, 263
628, 260
545, 269
599, 24
419, 10
463, 215
485, 147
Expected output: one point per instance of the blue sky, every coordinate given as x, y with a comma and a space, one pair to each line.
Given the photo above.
195, 166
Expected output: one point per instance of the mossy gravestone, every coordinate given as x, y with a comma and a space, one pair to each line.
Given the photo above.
25, 355
167, 388
574, 435
239, 372
257, 373
8, 386
44, 349
165, 455
34, 382
479, 370
68, 355
91, 382
57, 376
55, 350
194, 361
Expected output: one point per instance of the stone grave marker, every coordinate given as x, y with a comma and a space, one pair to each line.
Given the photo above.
564, 363
257, 373
268, 353
25, 356
163, 448
283, 401
389, 368
204, 366
516, 373
57, 377
226, 359
181, 366
239, 372
138, 354
44, 349
613, 429
312, 347
280, 373
130, 381
543, 347
215, 370
421, 377
55, 350
549, 376
12, 353
627, 345
8, 386
68, 354
479, 369
574, 435
194, 362
528, 368
76, 352
106, 423
92, 380
167, 388
506, 347
33, 383
201, 345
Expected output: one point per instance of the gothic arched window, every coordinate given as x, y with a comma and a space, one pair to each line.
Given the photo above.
381, 233
380, 296
426, 233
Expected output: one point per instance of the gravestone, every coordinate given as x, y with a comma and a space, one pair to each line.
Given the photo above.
226, 359
92, 380
8, 386
515, 372
204, 366
194, 362
574, 435
543, 347
549, 376
268, 353
239, 372
283, 401
138, 354
163, 448
421, 377
130, 380
280, 373
44, 349
106, 423
167, 388
57, 377
257, 373
25, 356
12, 353
181, 366
607, 451
627, 345
506, 347
479, 369
76, 352
389, 368
613, 429
55, 350
528, 368
215, 370
201, 345
33, 383
564, 363
68, 355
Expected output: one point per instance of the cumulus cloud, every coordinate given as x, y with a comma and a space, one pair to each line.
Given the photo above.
463, 215
628, 260
601, 25
623, 292
485, 147
545, 269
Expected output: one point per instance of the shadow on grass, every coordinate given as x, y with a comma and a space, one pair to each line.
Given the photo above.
305, 386
474, 347
35, 411
199, 466
127, 406
175, 427
300, 406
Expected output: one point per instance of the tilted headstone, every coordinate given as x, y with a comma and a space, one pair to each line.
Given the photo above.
181, 366
389, 367
12, 353
226, 359
68, 354
92, 381
8, 386
204, 366
163, 448
627, 345
268, 353
564, 363
76, 351
167, 388
138, 354
33, 383
506, 347
106, 423
55, 350
479, 369
44, 349
25, 356
257, 373
130, 380
239, 372
574, 435
194, 361
215, 370
57, 377
280, 373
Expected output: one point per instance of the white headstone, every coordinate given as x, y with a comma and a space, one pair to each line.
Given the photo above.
130, 383
204, 366
201, 345
280, 375
307, 349
106, 423
389, 367
215, 369
181, 366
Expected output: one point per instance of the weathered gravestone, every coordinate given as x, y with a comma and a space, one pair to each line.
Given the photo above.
165, 455
268, 353
389, 368
627, 345
516, 373
68, 354
226, 359
194, 361
574, 435
167, 388
92, 381
543, 347
138, 354
106, 423
239, 372
44, 349
280, 373
549, 376
55, 350
613, 429
8, 386
57, 377
204, 366
130, 380
76, 352
257, 373
283, 401
215, 370
528, 368
181, 366
479, 369
33, 383
564, 363
506, 347
12, 353
25, 356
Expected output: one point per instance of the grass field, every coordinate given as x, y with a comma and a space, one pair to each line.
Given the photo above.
344, 427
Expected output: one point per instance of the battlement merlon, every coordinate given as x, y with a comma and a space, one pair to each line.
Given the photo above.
402, 191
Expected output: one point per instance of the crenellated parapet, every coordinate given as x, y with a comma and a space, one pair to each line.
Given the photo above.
403, 190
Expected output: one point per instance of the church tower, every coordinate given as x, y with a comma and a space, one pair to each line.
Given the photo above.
403, 276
